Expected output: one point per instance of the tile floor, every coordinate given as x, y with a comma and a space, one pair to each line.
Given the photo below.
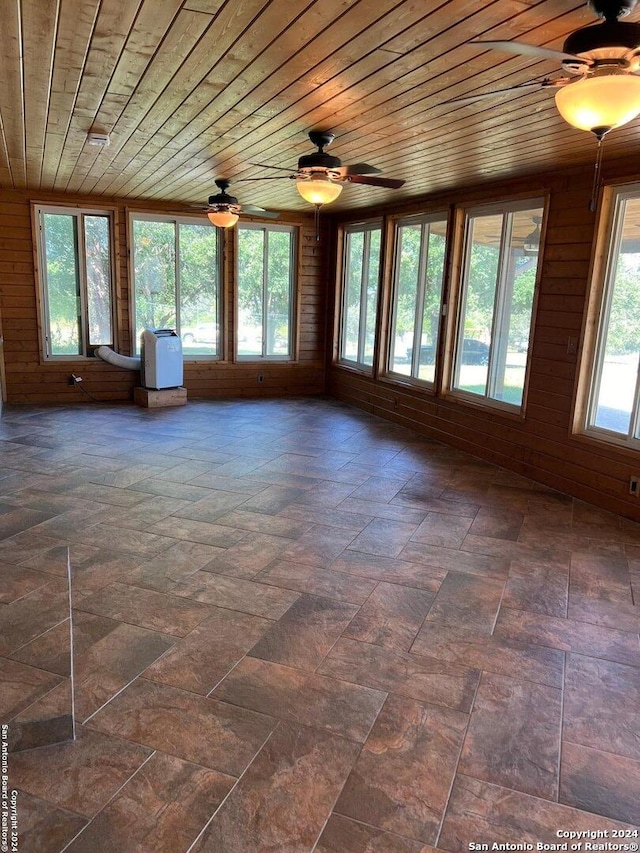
301, 628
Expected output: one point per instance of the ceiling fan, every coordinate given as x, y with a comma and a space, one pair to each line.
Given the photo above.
320, 177
605, 58
224, 210
530, 244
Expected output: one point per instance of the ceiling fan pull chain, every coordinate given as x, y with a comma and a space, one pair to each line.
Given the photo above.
317, 220
596, 177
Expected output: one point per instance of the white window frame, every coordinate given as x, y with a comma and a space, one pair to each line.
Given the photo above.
79, 213
135, 216
595, 358
500, 305
365, 228
424, 220
293, 286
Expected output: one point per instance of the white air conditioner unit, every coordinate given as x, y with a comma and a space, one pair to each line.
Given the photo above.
161, 359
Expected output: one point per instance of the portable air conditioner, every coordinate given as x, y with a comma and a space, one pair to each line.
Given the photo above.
161, 361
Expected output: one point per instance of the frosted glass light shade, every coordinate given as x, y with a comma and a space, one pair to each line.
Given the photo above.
222, 218
600, 102
318, 189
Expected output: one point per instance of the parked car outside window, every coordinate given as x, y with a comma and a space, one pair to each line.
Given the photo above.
473, 352
203, 333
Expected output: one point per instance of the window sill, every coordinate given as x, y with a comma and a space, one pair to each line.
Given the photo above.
267, 359
71, 359
354, 367
606, 443
494, 407
409, 383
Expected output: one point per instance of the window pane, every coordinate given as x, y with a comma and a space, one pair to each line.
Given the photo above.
484, 237
250, 290
278, 293
405, 297
360, 294
77, 280
265, 291
418, 292
432, 298
498, 287
199, 289
372, 297
98, 269
353, 290
515, 325
63, 284
155, 275
620, 345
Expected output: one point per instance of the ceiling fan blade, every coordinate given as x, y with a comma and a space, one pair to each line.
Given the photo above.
253, 210
266, 166
533, 50
358, 169
496, 93
389, 183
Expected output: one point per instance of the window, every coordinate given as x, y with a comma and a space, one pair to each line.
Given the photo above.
176, 281
266, 264
76, 269
500, 268
613, 410
360, 279
417, 296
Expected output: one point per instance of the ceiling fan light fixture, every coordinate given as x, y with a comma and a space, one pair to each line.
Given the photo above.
222, 218
600, 102
318, 189
531, 245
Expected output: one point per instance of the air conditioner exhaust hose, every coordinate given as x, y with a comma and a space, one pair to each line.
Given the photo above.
124, 361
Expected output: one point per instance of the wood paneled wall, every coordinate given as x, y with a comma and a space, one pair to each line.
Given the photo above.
30, 379
541, 444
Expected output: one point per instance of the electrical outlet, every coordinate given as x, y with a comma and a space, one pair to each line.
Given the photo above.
572, 346
634, 486
260, 378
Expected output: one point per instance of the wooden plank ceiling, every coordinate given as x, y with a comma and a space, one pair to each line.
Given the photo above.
191, 90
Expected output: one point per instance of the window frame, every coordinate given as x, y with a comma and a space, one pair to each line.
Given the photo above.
422, 219
364, 228
465, 213
39, 209
294, 278
177, 219
596, 322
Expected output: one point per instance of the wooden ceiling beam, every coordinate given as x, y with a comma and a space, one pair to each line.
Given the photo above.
426, 69
190, 90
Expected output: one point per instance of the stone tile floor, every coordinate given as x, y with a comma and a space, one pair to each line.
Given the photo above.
301, 628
